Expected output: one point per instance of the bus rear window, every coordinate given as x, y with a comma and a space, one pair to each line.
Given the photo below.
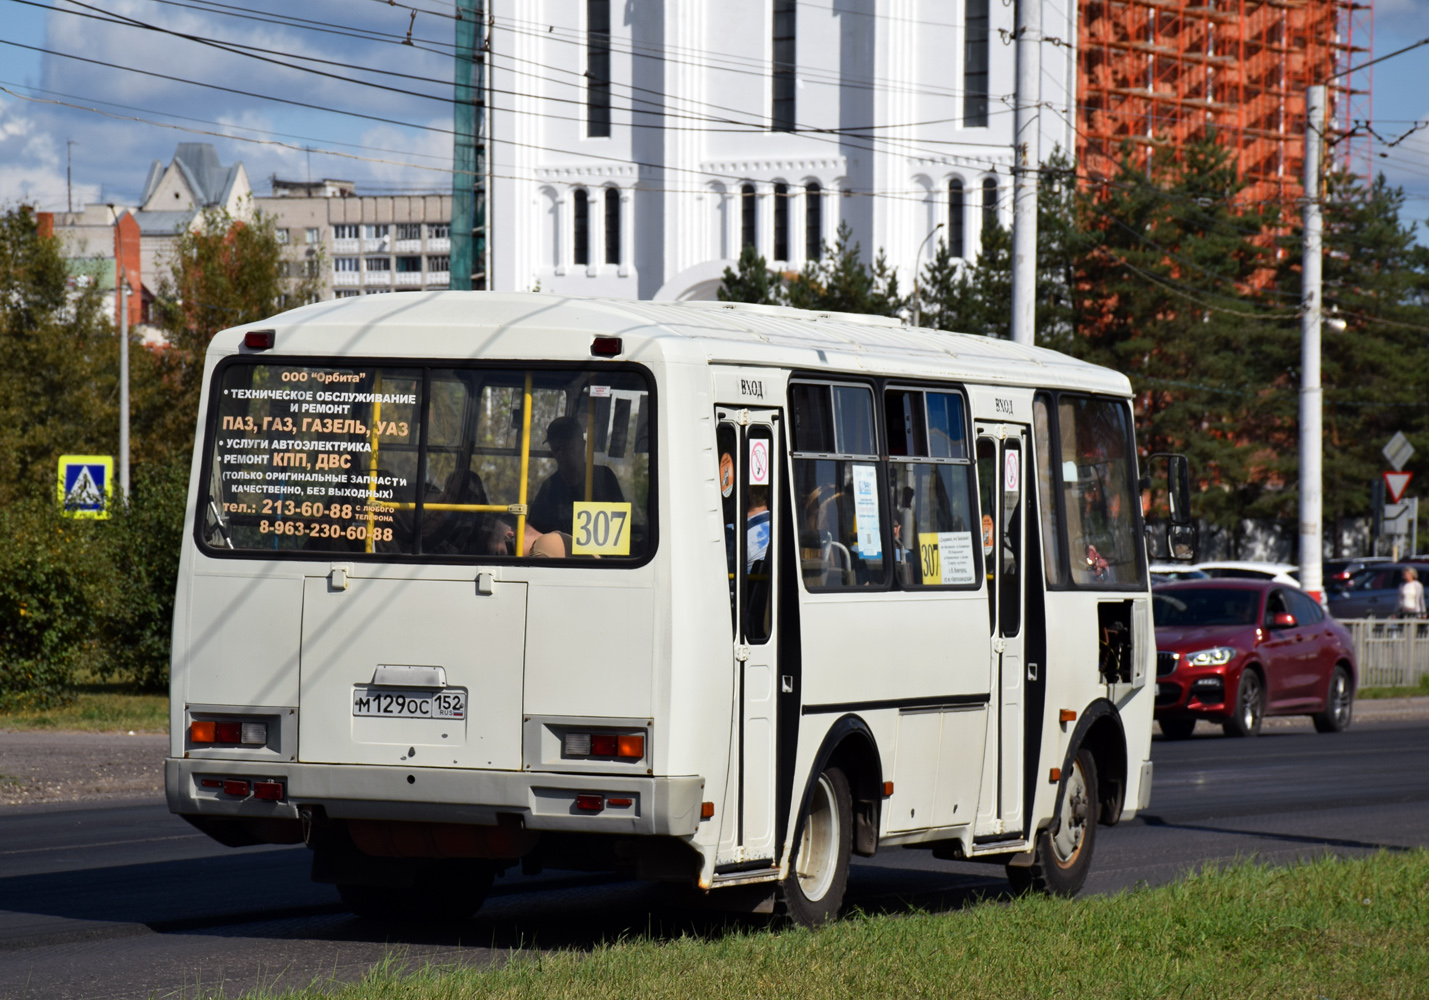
401, 461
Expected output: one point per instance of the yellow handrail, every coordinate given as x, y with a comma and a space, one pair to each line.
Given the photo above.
525, 467
372, 466
589, 447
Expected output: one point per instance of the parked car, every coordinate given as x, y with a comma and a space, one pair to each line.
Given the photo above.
1234, 651
1336, 572
1373, 592
1238, 570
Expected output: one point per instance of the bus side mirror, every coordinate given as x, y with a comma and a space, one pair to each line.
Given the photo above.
1171, 532
1178, 483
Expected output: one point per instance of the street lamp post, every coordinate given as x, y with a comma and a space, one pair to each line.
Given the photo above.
917, 268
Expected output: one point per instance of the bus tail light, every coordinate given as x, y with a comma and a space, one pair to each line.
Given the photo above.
228, 732
212, 731
590, 803
255, 733
626, 746
236, 786
269, 791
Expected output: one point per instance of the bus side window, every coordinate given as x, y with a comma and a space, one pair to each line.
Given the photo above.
1046, 491
1098, 472
727, 448
930, 487
839, 515
987, 482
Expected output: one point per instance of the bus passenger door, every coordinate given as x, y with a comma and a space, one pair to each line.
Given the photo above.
749, 473
1001, 451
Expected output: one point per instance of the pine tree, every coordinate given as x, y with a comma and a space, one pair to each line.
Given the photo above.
753, 282
1375, 373
840, 282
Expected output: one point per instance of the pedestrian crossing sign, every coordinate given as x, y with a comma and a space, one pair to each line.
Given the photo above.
86, 484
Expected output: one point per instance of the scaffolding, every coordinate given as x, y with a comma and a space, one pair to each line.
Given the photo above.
1158, 74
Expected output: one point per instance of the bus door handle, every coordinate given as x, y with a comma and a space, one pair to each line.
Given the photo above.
485, 584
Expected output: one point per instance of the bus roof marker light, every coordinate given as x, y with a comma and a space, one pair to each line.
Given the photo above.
605, 347
258, 340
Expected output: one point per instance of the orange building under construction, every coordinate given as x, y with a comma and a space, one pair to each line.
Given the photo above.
1161, 73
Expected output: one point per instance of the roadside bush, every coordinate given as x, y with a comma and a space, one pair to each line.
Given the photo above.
135, 614
93, 598
49, 569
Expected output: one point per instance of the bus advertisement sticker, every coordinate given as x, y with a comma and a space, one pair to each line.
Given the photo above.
865, 511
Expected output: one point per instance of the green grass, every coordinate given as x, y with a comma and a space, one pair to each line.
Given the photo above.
98, 708
1328, 929
1421, 689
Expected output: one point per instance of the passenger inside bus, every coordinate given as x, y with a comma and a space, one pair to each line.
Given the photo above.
499, 539
553, 507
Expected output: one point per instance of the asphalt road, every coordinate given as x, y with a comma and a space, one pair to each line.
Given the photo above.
124, 900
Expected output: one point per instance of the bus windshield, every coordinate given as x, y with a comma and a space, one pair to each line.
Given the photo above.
402, 461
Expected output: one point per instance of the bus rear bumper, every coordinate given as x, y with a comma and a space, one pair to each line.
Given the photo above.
618, 804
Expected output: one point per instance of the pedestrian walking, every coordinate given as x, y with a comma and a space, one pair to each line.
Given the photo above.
1411, 595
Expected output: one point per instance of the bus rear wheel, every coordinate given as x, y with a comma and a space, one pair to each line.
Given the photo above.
1062, 855
436, 896
814, 890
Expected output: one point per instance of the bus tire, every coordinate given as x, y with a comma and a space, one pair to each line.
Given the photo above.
1062, 855
813, 892
434, 898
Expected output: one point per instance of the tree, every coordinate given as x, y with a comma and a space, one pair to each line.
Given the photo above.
840, 282
753, 282
1170, 287
59, 382
1375, 373
222, 273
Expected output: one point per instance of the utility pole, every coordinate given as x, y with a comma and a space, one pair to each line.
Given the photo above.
69, 178
468, 224
1311, 544
121, 293
1027, 157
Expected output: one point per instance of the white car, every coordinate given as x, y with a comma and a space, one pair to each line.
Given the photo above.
1278, 572
1174, 573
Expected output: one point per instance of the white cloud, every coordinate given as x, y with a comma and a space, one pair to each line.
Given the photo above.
32, 167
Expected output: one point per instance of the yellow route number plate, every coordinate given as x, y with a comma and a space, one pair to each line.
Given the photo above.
600, 529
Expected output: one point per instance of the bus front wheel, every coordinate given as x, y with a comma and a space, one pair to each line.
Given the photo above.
1063, 852
814, 889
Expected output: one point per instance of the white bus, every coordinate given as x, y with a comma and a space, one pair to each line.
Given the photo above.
702, 592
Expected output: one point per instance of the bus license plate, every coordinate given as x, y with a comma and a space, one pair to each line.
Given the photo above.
408, 704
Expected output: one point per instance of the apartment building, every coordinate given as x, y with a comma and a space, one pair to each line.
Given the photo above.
362, 244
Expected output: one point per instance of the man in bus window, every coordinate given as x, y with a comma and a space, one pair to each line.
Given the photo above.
552, 509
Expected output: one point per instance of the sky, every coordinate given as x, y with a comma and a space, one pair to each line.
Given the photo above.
111, 154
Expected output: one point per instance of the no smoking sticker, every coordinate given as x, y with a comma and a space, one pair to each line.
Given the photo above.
1010, 470
758, 462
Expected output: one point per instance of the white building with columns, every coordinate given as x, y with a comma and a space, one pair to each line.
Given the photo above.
636, 146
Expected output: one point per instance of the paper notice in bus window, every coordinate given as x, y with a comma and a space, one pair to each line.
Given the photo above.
865, 511
945, 558
600, 529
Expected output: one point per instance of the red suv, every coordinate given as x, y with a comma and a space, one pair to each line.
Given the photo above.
1234, 651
